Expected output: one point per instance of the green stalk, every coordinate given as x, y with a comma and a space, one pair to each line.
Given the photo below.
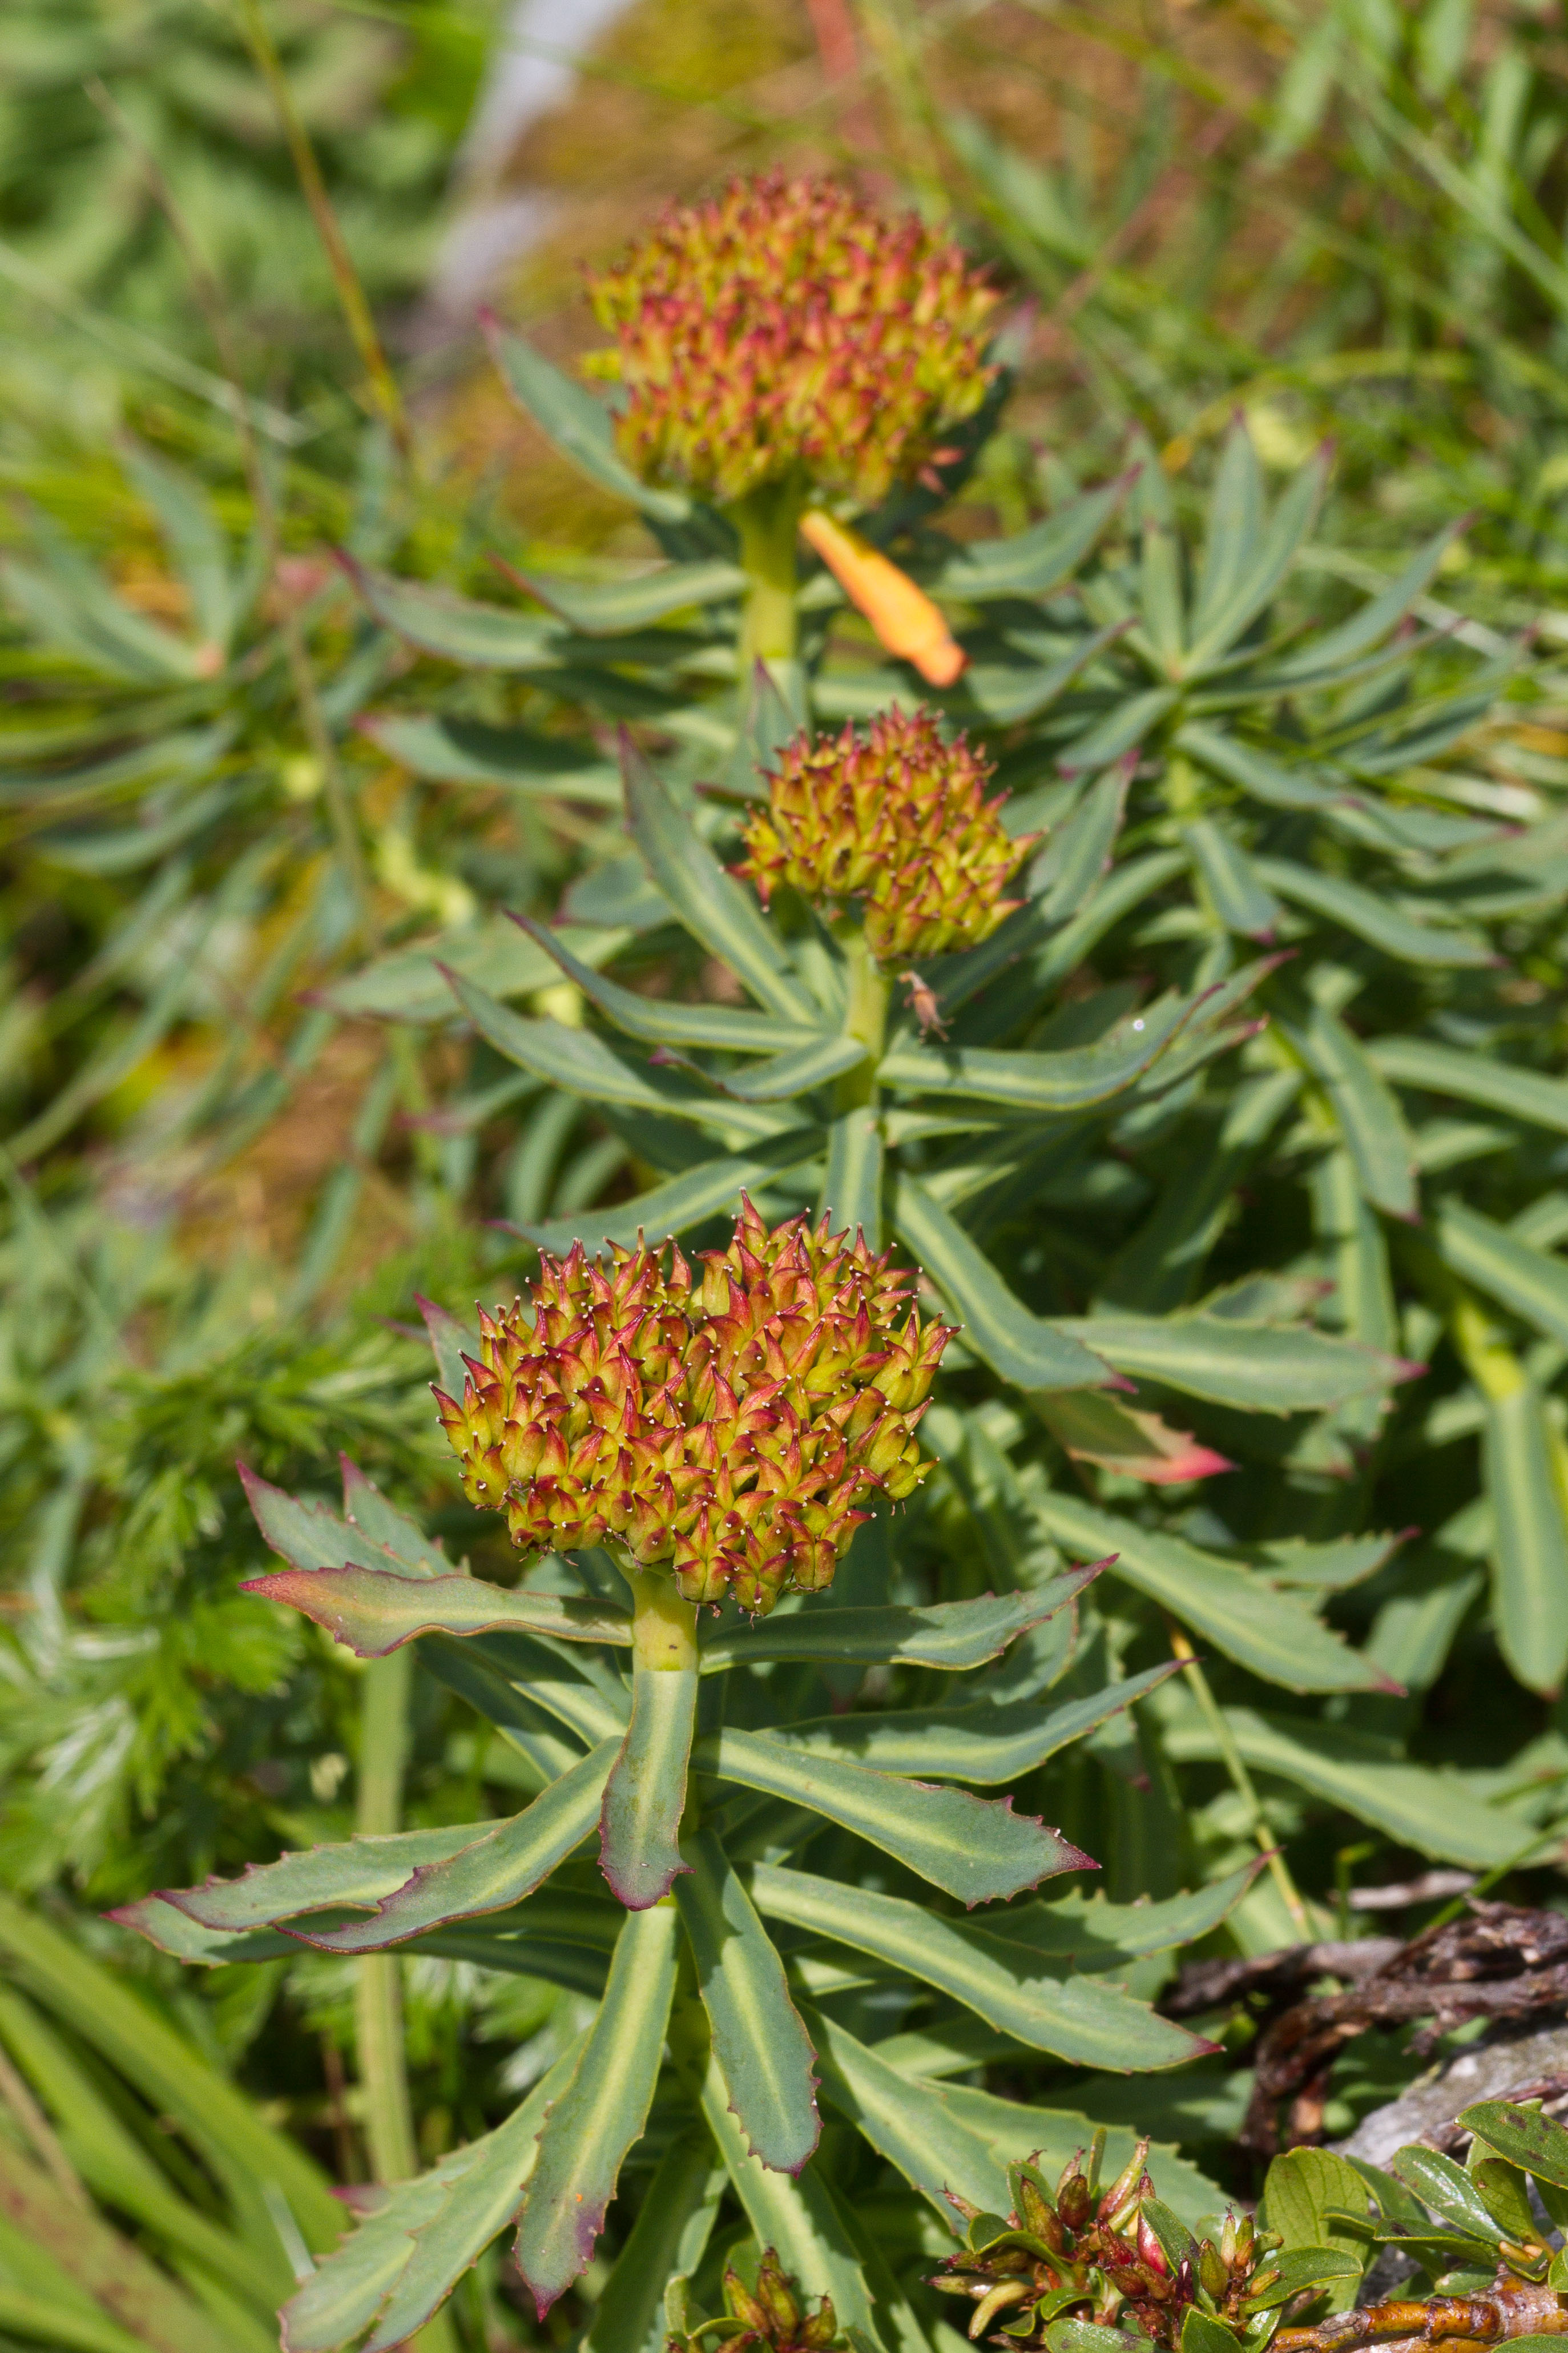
378, 1989
865, 1015
1241, 1779
767, 520
664, 1624
378, 1977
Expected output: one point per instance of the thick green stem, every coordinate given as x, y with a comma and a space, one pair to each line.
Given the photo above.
767, 520
378, 1989
865, 1016
664, 1625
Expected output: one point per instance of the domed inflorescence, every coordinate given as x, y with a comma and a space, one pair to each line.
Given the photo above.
785, 326
726, 1424
898, 818
1078, 2254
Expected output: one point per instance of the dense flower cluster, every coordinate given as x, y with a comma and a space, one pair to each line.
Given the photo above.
1100, 2258
897, 819
773, 2320
785, 326
725, 1423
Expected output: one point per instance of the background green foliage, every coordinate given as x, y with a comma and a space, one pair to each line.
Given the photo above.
243, 1127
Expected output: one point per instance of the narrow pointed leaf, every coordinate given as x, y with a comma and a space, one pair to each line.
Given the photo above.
1473, 1078
1083, 2020
766, 727
1032, 563
1121, 732
1530, 1281
1265, 779
952, 1635
1520, 1460
581, 427
796, 1073
1076, 858
663, 1021
976, 1848
852, 1185
1231, 881
454, 751
372, 1613
1067, 1081
1365, 1109
645, 1794
667, 2243
984, 1744
357, 1870
1024, 1349
602, 2112
601, 608
761, 2047
944, 2138
1260, 1367
1376, 618
720, 910
584, 1065
457, 628
498, 1870
1232, 526
418, 2244
1371, 918
798, 2219
1415, 1805
1264, 573
1259, 1626
311, 1537
684, 1201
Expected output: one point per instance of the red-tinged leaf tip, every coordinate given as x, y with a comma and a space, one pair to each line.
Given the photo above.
1119, 1381
1173, 1470
1406, 1369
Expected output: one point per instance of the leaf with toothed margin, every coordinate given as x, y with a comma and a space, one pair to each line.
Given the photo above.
359, 1870
645, 1795
403, 2259
1084, 2019
491, 1872
372, 1613
952, 1635
1069, 1080
760, 2045
308, 1535
986, 1743
602, 2111
166, 1927
976, 1848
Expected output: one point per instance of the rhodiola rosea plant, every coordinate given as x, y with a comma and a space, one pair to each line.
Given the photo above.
708, 1439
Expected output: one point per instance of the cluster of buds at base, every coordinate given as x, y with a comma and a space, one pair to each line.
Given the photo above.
724, 1424
896, 818
772, 2320
1115, 2257
785, 328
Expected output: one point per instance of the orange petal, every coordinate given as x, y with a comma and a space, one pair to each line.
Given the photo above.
903, 616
